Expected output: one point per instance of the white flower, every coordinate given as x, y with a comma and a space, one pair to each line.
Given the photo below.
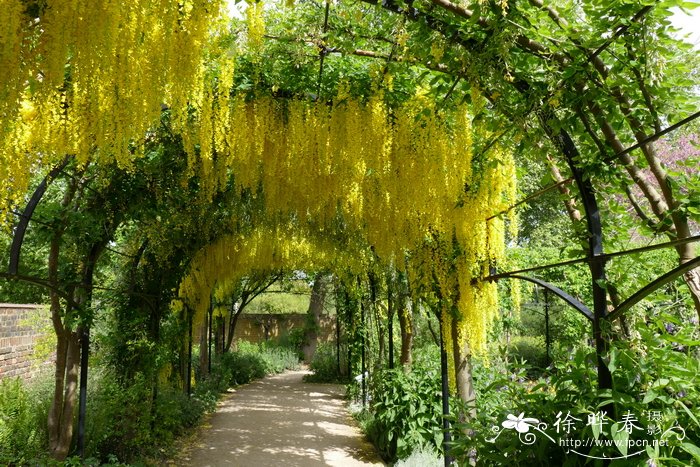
521, 424
360, 377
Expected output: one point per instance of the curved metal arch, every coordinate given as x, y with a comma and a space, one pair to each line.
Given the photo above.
660, 281
41, 283
570, 300
21, 229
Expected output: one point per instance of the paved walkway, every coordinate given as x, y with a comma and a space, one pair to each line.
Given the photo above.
282, 421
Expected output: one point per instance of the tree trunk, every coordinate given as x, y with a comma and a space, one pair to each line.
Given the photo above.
390, 321
63, 406
569, 201
55, 412
404, 310
218, 335
204, 348
463, 375
692, 278
318, 298
60, 417
234, 313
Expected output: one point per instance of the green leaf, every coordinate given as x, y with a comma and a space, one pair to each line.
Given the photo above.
650, 396
596, 428
690, 414
691, 449
620, 436
653, 453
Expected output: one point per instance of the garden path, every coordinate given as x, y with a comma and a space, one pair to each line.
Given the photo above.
282, 421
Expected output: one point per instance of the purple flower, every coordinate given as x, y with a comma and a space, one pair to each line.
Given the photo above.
678, 347
670, 328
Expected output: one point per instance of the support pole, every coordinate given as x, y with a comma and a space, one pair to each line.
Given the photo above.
350, 331
363, 356
390, 315
337, 337
595, 244
444, 368
188, 383
82, 409
211, 313
547, 338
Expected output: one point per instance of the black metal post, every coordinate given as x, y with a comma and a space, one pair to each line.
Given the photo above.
211, 313
446, 436
188, 383
352, 335
596, 263
547, 338
82, 409
337, 336
363, 356
390, 313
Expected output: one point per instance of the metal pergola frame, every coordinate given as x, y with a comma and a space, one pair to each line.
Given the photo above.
595, 259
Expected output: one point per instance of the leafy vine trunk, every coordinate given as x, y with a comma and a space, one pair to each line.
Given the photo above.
60, 417
60, 420
204, 348
463, 375
692, 278
318, 297
234, 312
403, 308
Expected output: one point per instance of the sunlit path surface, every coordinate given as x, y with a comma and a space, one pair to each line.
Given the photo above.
281, 421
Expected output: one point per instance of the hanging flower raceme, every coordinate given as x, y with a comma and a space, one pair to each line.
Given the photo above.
392, 177
90, 79
217, 267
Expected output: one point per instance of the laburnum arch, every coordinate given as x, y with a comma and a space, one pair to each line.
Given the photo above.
404, 194
91, 83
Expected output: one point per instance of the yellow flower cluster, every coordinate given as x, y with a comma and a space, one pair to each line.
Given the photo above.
391, 175
217, 268
256, 23
393, 178
89, 78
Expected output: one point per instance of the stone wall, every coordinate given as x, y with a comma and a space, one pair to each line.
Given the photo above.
260, 327
17, 341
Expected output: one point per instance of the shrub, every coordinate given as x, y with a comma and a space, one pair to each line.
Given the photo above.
249, 362
22, 423
422, 456
278, 358
324, 365
660, 374
241, 366
125, 422
293, 339
405, 411
109, 401
531, 351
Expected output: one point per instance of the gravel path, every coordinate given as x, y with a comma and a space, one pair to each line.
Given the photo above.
282, 421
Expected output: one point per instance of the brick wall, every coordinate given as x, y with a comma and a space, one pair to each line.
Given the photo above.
16, 341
